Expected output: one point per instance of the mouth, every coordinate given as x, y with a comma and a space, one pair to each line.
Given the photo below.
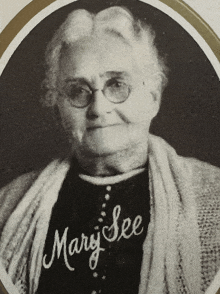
101, 127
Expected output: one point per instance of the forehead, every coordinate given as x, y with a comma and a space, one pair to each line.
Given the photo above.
97, 54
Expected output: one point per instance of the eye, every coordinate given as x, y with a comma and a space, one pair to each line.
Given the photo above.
116, 84
117, 91
76, 91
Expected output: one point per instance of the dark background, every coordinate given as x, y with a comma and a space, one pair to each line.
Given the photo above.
189, 118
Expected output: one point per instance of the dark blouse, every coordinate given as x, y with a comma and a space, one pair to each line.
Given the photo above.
95, 237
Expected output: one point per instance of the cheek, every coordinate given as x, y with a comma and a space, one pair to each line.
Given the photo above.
138, 109
73, 120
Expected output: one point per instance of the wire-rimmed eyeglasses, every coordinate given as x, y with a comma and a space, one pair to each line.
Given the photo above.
81, 96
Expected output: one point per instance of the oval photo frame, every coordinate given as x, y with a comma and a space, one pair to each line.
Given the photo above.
201, 52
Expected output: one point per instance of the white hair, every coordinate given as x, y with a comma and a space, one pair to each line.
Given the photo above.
115, 20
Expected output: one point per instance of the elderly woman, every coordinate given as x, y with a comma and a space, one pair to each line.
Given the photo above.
124, 213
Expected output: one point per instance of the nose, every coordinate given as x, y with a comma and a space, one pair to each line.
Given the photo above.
99, 105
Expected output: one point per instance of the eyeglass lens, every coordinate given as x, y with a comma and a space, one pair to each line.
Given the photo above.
81, 96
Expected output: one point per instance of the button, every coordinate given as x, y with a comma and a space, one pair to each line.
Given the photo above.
93, 292
103, 205
96, 228
103, 277
95, 274
108, 188
100, 220
107, 196
103, 213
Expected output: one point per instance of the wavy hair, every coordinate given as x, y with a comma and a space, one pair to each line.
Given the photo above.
116, 21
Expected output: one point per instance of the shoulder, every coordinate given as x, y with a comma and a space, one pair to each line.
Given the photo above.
205, 182
14, 192
204, 175
201, 176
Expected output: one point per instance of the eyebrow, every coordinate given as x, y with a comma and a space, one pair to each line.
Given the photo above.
77, 80
118, 74
111, 74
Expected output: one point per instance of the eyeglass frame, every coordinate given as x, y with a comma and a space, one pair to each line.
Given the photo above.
92, 91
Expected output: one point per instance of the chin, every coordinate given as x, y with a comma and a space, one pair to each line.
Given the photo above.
104, 149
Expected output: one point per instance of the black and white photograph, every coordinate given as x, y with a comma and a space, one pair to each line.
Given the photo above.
110, 153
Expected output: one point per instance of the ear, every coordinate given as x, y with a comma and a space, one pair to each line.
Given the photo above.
60, 123
156, 89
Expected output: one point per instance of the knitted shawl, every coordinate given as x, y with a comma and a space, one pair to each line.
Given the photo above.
181, 253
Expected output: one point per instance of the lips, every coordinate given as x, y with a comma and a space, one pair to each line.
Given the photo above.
93, 127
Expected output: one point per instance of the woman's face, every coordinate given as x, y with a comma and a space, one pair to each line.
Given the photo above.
101, 128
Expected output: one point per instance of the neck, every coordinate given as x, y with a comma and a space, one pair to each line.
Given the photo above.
116, 163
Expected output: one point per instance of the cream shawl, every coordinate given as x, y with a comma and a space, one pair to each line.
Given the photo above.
172, 238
